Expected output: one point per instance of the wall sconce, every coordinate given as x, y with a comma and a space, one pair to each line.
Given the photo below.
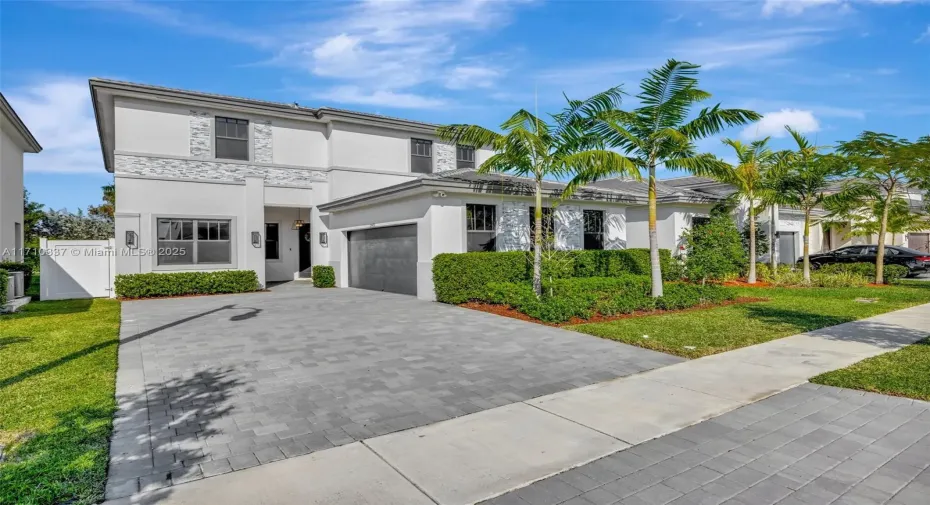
256, 239
131, 239
324, 239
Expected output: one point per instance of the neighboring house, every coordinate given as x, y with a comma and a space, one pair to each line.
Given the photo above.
209, 182
15, 139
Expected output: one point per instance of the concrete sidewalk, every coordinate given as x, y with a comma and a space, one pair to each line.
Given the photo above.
479, 456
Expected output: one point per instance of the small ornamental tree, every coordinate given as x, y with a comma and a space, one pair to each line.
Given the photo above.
714, 250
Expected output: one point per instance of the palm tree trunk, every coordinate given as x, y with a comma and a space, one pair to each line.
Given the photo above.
880, 254
654, 236
752, 243
537, 240
807, 245
772, 259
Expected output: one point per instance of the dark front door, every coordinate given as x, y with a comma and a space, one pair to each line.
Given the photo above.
787, 248
305, 240
384, 259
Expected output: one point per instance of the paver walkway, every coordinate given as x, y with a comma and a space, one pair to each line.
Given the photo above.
486, 454
209, 385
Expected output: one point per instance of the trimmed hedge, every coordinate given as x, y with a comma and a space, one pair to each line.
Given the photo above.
890, 273
152, 285
581, 297
14, 266
323, 276
3, 285
459, 277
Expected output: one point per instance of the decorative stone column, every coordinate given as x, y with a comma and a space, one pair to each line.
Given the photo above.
513, 233
200, 134
445, 156
569, 227
262, 149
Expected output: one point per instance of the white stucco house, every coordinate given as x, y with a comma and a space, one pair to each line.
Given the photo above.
15, 140
208, 182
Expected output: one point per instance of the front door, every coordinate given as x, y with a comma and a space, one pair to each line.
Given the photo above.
305, 240
787, 248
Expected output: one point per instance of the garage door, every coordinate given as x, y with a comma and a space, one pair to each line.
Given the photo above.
384, 259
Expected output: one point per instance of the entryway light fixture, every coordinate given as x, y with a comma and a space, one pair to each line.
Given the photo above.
298, 222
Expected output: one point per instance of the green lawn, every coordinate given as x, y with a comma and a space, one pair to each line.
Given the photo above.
57, 382
905, 372
788, 311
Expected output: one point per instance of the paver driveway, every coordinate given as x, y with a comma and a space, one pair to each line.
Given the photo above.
209, 385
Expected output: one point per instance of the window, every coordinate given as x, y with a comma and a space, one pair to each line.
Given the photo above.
698, 221
232, 138
421, 156
547, 223
178, 244
849, 251
464, 157
594, 229
271, 242
481, 227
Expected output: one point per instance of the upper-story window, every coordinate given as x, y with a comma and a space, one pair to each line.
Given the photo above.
232, 138
464, 157
421, 156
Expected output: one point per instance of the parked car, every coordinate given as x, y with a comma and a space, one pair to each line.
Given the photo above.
916, 261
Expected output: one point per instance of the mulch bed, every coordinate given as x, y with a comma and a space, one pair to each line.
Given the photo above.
508, 311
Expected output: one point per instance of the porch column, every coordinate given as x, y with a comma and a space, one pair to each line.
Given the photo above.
254, 215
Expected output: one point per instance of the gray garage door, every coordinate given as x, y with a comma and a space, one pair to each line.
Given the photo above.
384, 259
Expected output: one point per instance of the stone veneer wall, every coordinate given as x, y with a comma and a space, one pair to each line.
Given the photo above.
200, 134
445, 156
569, 227
262, 148
513, 233
151, 166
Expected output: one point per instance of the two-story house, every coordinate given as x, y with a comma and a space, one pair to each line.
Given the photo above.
206, 182
15, 139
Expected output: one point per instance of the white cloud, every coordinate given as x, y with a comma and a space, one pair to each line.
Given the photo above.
773, 124
471, 76
797, 7
924, 36
358, 95
57, 110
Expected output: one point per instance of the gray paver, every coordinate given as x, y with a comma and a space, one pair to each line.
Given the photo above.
758, 459
246, 379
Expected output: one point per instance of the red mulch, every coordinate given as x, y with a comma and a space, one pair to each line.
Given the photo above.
742, 283
507, 311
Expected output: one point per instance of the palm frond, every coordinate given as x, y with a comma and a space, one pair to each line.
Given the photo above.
713, 120
471, 135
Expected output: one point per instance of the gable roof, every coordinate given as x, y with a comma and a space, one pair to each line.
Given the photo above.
629, 192
32, 145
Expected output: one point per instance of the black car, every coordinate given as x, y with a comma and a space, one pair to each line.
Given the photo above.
916, 261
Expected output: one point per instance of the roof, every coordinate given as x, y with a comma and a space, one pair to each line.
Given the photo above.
99, 87
20, 127
629, 192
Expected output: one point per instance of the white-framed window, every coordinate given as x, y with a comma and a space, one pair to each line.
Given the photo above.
421, 156
464, 157
594, 229
481, 227
272, 241
232, 139
193, 242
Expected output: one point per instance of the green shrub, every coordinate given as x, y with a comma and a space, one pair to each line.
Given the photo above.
820, 279
185, 283
624, 303
13, 266
458, 278
636, 284
682, 296
890, 273
714, 250
558, 309
323, 276
3, 286
508, 293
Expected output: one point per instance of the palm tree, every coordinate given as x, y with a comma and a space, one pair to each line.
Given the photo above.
748, 176
533, 147
809, 182
659, 134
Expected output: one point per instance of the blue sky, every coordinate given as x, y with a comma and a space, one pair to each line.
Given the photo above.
830, 68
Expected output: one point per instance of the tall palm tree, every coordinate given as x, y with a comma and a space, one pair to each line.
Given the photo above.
748, 176
811, 181
659, 133
540, 149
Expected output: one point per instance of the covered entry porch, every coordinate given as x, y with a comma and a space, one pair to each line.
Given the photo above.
287, 242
